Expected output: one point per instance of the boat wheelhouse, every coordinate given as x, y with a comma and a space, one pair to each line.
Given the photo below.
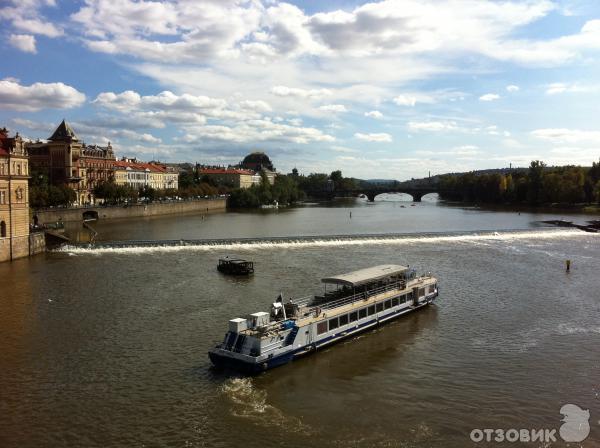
235, 266
351, 303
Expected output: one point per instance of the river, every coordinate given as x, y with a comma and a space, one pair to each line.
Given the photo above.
106, 347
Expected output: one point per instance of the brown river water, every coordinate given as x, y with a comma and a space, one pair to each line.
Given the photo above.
106, 346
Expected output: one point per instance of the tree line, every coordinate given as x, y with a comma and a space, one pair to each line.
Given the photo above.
539, 184
291, 188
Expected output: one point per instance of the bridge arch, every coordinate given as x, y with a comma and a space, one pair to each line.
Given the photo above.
371, 195
432, 194
90, 214
417, 195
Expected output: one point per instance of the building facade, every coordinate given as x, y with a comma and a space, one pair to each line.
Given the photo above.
231, 177
14, 197
140, 174
68, 161
259, 162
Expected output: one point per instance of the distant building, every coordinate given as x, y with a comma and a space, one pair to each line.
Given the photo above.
14, 197
259, 162
68, 161
231, 177
171, 177
141, 174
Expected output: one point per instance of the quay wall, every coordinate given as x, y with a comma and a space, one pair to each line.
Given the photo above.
37, 243
76, 214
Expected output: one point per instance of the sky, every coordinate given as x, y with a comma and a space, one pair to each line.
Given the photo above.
387, 89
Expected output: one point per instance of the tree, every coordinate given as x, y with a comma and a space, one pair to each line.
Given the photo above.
536, 176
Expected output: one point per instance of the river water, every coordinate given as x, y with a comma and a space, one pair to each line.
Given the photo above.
106, 347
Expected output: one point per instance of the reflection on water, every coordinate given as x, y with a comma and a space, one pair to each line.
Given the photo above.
108, 347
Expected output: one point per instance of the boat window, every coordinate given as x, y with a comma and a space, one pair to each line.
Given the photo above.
371, 310
380, 307
409, 296
322, 327
431, 288
229, 339
421, 292
343, 319
388, 304
354, 316
362, 313
240, 342
333, 323
403, 299
395, 301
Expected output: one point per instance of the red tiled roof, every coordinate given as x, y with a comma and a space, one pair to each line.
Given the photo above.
140, 166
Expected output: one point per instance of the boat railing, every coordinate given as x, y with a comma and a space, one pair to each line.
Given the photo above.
361, 296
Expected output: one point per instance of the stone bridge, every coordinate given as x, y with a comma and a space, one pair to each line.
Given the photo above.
417, 192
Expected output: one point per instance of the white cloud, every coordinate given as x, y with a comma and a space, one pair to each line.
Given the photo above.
512, 88
568, 136
405, 100
374, 137
24, 42
184, 108
253, 131
338, 108
25, 16
374, 114
301, 93
38, 96
433, 126
187, 31
563, 87
489, 97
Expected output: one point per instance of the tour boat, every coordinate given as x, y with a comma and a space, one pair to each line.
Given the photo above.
354, 302
235, 266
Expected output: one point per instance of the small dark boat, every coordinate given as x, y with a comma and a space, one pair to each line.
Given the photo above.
235, 266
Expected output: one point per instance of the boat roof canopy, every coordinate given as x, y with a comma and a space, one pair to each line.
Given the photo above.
367, 275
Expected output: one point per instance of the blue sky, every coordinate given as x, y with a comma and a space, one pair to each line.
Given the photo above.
390, 89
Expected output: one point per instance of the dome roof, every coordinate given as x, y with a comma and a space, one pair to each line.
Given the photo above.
257, 161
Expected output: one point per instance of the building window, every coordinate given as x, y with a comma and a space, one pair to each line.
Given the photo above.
19, 169
3, 229
2, 197
19, 194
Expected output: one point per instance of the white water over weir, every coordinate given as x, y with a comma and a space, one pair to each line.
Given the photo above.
135, 247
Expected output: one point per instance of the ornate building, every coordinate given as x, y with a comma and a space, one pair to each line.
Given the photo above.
68, 161
259, 162
14, 197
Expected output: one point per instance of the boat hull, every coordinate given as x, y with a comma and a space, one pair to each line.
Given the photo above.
226, 360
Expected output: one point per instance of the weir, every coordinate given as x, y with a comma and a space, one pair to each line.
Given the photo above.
145, 246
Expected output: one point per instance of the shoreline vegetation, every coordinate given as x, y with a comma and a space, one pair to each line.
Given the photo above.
539, 186
568, 187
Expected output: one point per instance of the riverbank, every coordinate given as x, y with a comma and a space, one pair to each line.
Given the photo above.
583, 209
79, 214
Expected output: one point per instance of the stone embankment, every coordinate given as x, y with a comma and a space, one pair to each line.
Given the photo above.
78, 214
